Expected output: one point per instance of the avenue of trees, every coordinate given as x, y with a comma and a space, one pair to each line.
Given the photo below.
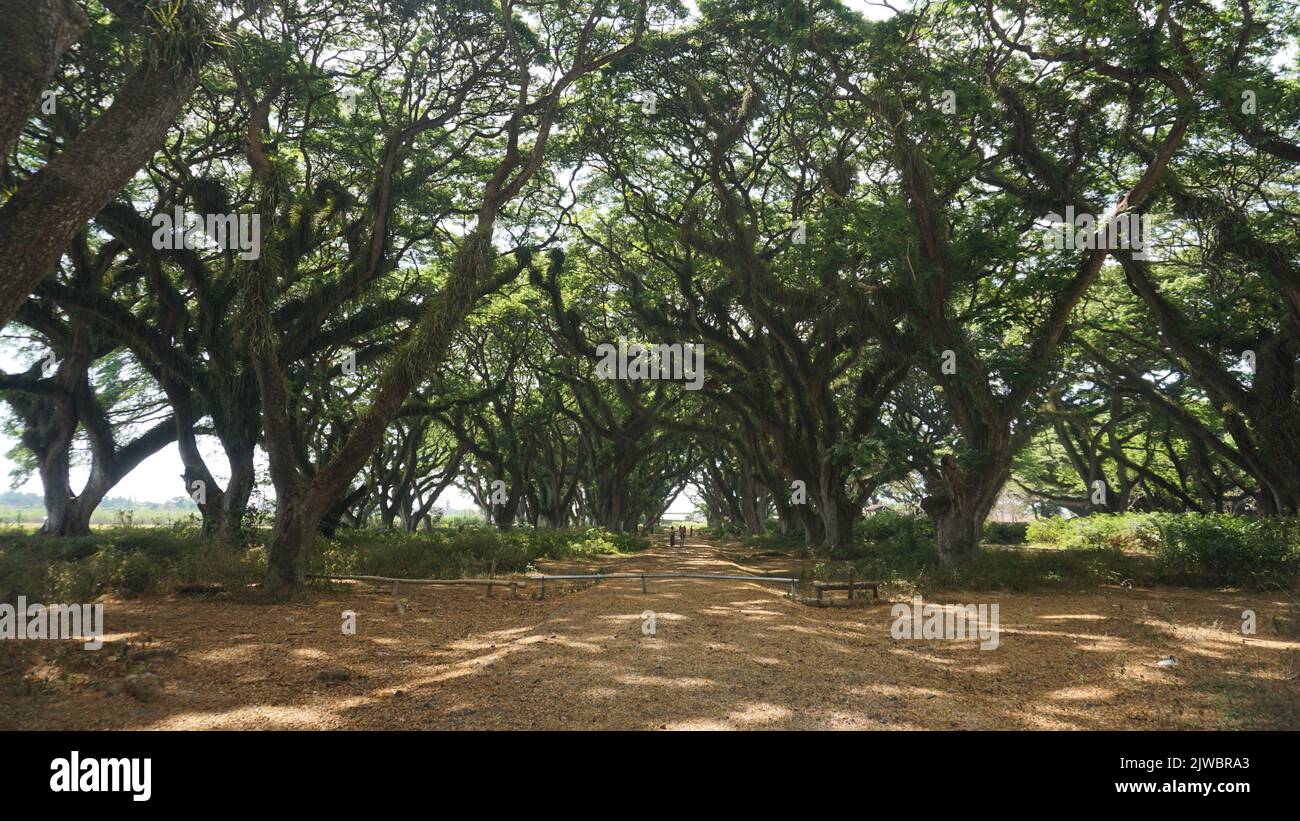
459, 202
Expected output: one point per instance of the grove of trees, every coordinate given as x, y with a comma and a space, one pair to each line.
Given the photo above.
459, 201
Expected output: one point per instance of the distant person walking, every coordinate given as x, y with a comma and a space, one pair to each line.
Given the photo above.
683, 534
672, 537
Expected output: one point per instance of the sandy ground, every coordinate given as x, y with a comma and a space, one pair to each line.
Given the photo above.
724, 655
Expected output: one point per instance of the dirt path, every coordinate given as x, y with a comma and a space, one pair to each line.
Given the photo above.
724, 655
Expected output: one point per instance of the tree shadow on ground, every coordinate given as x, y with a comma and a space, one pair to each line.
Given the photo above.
723, 655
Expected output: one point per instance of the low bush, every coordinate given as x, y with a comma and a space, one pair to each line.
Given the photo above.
136, 561
1190, 548
776, 542
737, 530
1120, 531
890, 524
917, 567
125, 561
1005, 532
460, 552
1222, 549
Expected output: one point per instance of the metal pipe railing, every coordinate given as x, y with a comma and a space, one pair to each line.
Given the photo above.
513, 584
644, 576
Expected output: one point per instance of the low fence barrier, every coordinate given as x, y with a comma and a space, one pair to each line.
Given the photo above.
514, 584
644, 577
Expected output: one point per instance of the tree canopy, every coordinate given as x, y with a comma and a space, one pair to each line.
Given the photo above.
963, 251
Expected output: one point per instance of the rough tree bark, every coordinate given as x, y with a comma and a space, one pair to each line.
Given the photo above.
40, 219
35, 34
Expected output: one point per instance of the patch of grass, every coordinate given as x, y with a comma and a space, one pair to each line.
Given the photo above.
1228, 550
460, 552
440, 554
916, 567
1190, 548
735, 530
127, 561
776, 542
144, 561
232, 568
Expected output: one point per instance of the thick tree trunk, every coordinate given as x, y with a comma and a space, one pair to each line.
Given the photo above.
60, 519
811, 525
301, 501
57, 490
956, 528
101, 481
958, 514
234, 502
784, 516
69, 518
504, 516
196, 476
297, 521
222, 510
35, 34
40, 219
50, 439
837, 512
68, 515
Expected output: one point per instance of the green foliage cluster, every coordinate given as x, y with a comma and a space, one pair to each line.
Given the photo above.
463, 552
1189, 548
1230, 550
889, 524
180, 32
1006, 532
916, 567
126, 562
1214, 550
132, 562
772, 541
1120, 531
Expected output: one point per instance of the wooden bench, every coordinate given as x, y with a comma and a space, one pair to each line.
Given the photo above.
849, 585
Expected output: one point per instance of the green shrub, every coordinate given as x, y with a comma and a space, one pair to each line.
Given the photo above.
852, 550
126, 562
1222, 549
632, 542
1190, 548
74, 581
449, 553
230, 567
598, 541
127, 573
593, 544
441, 554
1005, 532
775, 541
916, 566
737, 530
890, 524
1118, 531
1047, 531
